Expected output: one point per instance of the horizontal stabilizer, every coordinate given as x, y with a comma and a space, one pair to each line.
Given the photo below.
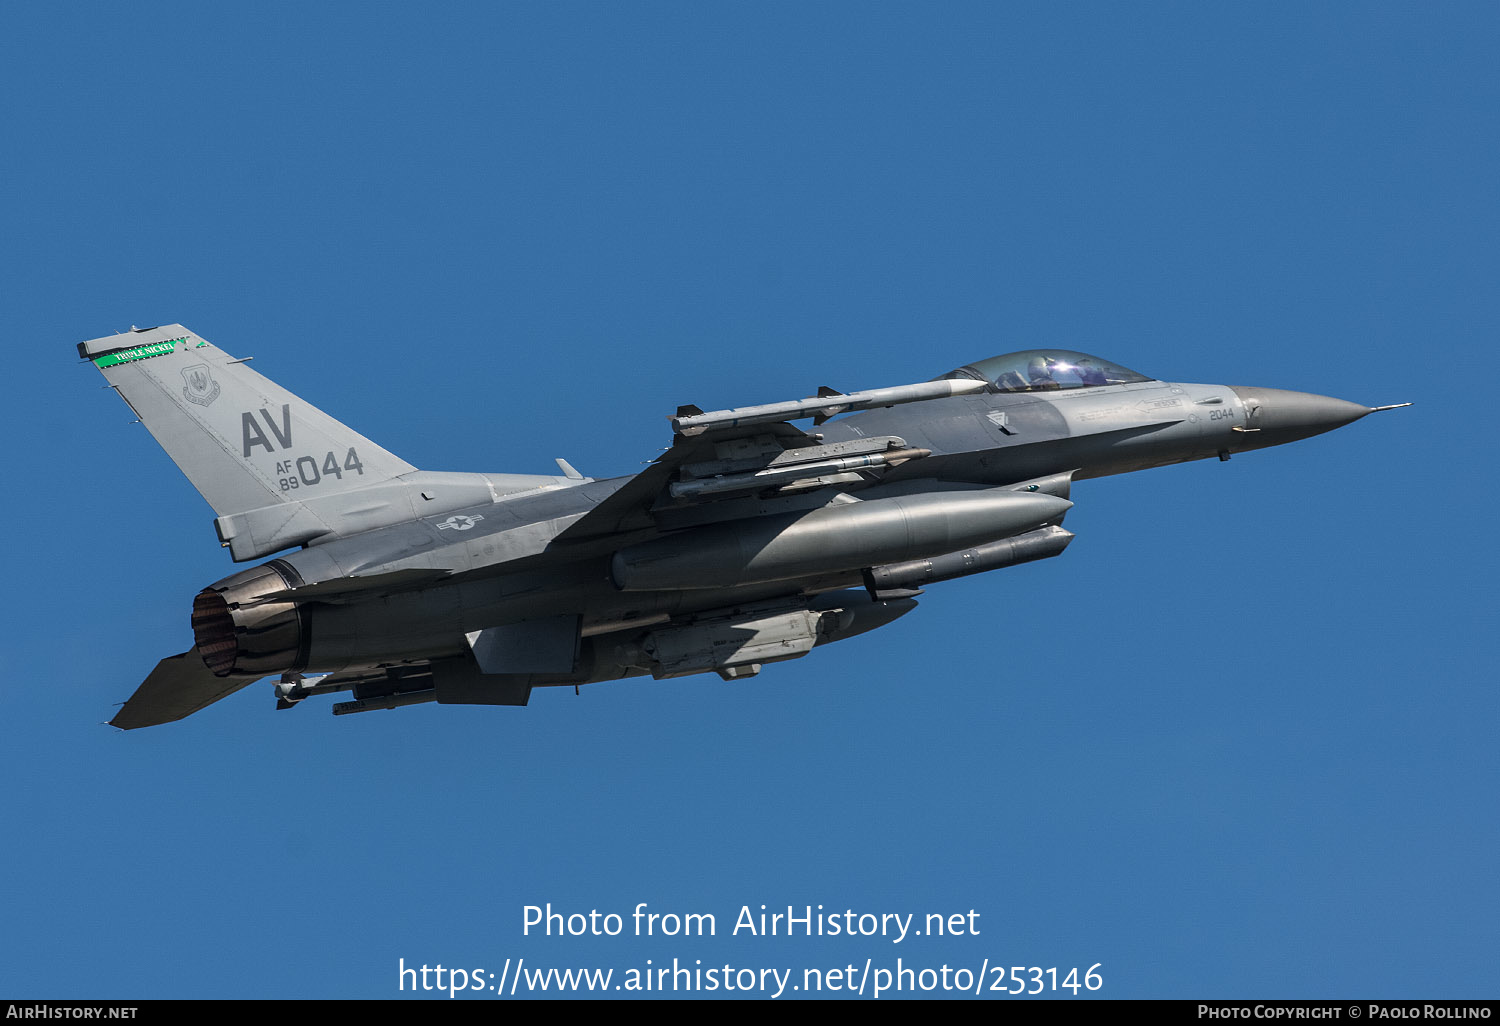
344, 588
179, 686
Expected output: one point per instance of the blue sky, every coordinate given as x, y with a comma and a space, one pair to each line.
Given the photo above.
1239, 741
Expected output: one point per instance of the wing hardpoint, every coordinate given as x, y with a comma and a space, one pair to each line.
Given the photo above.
248, 445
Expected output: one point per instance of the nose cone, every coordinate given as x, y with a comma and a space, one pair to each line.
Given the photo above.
1274, 416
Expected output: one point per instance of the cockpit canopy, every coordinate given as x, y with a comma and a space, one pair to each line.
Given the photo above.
1046, 370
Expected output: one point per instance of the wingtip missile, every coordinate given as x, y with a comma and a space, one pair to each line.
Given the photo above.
823, 406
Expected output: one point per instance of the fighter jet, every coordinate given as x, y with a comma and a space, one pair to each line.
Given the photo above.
751, 540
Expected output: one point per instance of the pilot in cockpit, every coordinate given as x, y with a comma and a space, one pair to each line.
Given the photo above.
1039, 370
1047, 370
1090, 373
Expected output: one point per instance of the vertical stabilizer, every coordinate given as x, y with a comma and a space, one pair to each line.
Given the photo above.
243, 441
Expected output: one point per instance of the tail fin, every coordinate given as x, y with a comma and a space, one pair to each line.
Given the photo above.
243, 441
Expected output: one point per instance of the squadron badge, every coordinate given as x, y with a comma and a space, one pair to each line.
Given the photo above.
201, 387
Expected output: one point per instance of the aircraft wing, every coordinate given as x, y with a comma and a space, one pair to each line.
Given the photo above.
755, 451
